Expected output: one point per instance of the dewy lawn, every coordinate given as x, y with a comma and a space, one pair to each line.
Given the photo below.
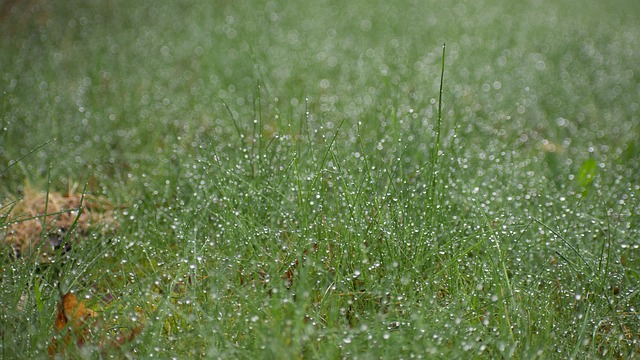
215, 179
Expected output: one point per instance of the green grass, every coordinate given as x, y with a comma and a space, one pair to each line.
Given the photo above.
283, 196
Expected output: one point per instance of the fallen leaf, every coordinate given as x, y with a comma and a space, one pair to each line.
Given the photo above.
71, 322
74, 321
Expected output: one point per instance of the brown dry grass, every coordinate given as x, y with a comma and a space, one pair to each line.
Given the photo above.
38, 225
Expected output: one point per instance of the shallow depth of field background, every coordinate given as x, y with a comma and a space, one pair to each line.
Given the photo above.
280, 194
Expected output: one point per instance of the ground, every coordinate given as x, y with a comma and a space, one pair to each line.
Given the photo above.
287, 182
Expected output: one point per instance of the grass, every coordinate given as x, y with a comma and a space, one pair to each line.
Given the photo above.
301, 182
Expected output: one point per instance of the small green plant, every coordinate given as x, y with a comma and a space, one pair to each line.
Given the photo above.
586, 175
312, 182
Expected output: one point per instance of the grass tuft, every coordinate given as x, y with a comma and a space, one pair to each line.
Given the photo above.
304, 182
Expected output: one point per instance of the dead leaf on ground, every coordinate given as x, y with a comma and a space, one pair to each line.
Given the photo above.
72, 321
75, 323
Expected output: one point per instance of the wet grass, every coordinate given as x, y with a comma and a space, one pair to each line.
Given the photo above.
290, 191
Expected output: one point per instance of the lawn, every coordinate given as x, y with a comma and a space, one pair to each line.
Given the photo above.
397, 179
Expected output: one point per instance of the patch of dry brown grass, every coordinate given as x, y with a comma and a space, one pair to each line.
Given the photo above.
38, 225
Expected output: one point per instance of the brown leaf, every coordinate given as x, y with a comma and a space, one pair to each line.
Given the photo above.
71, 321
75, 321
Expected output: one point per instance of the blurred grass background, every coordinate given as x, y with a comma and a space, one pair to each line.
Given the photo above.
120, 87
243, 135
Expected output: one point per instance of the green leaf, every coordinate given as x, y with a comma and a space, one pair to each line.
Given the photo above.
586, 174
